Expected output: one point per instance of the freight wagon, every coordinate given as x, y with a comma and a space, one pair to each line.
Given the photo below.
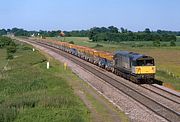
132, 66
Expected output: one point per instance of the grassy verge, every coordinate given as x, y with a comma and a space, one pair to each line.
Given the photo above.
101, 112
167, 58
104, 113
169, 79
30, 92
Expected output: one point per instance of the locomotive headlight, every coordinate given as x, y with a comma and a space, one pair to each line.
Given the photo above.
153, 68
138, 69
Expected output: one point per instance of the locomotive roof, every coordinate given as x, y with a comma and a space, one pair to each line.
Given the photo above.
132, 55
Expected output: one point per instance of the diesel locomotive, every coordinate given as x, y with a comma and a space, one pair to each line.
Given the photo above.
132, 66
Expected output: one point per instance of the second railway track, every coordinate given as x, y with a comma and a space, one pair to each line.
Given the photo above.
158, 108
164, 93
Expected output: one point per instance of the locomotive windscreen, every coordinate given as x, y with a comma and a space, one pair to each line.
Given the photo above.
146, 62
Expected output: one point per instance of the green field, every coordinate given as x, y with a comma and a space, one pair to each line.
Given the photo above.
167, 58
178, 38
30, 92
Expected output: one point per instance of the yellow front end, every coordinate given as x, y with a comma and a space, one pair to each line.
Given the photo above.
144, 70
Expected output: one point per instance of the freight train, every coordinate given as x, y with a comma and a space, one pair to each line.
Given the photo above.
132, 66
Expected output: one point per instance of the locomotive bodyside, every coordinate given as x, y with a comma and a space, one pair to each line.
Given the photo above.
133, 66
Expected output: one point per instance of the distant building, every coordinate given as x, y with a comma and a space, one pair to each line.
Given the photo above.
33, 35
62, 34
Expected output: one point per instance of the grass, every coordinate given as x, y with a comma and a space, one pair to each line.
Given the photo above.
167, 58
3, 60
83, 41
101, 111
178, 38
173, 82
29, 92
104, 113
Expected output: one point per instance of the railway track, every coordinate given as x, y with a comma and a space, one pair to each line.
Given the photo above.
156, 107
164, 93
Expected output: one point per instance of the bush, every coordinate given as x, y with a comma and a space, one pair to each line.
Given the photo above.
99, 45
139, 45
157, 43
4, 41
11, 49
164, 45
133, 45
172, 43
71, 42
10, 56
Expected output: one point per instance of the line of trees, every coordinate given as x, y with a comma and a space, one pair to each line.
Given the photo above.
96, 34
22, 32
113, 35
81, 33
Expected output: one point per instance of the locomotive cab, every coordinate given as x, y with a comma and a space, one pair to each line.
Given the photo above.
144, 62
144, 67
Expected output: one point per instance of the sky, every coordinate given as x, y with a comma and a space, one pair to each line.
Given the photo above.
69, 15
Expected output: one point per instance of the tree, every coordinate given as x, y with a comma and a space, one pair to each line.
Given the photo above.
102, 37
105, 30
147, 30
3, 32
122, 30
13, 30
92, 34
113, 29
